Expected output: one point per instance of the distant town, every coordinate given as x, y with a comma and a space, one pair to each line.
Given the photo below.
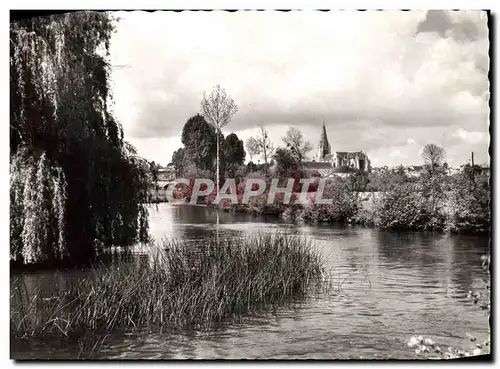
325, 163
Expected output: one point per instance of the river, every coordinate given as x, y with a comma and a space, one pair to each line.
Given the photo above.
388, 287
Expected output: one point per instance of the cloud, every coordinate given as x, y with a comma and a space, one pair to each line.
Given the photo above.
375, 78
470, 137
397, 154
460, 25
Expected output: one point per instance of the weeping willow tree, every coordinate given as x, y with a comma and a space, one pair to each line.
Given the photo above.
76, 186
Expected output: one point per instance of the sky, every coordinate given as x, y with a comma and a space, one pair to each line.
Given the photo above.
385, 83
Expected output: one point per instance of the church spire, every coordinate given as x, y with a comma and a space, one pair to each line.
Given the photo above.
324, 145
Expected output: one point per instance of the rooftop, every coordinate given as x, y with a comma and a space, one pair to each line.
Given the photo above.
349, 154
317, 165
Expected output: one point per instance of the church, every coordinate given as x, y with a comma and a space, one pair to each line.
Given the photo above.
337, 162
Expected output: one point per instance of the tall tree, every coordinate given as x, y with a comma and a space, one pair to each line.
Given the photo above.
253, 147
178, 161
234, 153
218, 108
286, 161
433, 155
199, 139
76, 185
469, 203
261, 145
295, 142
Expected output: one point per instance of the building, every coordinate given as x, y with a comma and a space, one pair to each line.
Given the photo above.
166, 174
338, 162
324, 148
158, 188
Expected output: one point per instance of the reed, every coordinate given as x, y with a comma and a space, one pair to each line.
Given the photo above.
181, 287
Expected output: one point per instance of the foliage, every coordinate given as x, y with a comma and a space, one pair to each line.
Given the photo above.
412, 205
200, 146
432, 186
469, 202
386, 179
399, 208
260, 145
286, 161
199, 154
295, 142
182, 286
154, 171
253, 147
218, 108
342, 207
357, 181
432, 202
62, 127
433, 155
179, 161
37, 206
234, 154
240, 172
251, 167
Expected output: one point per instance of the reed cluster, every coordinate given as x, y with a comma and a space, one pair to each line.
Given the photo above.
181, 287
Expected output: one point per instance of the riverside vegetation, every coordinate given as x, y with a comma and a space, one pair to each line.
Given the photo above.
436, 201
182, 287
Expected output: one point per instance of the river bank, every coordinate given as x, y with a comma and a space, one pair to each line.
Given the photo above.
372, 209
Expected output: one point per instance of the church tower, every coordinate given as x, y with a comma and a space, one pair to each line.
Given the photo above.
324, 145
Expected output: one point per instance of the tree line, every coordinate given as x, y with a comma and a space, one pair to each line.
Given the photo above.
436, 200
207, 152
198, 156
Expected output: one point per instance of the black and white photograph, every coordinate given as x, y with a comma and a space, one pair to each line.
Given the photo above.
247, 184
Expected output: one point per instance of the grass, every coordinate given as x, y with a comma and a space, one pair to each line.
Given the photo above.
182, 287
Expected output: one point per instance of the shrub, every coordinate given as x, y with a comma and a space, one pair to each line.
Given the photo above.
416, 206
469, 203
341, 209
399, 208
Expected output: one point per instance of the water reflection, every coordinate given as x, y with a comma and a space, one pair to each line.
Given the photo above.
389, 286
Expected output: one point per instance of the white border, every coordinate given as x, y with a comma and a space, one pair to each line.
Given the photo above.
258, 4
191, 4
